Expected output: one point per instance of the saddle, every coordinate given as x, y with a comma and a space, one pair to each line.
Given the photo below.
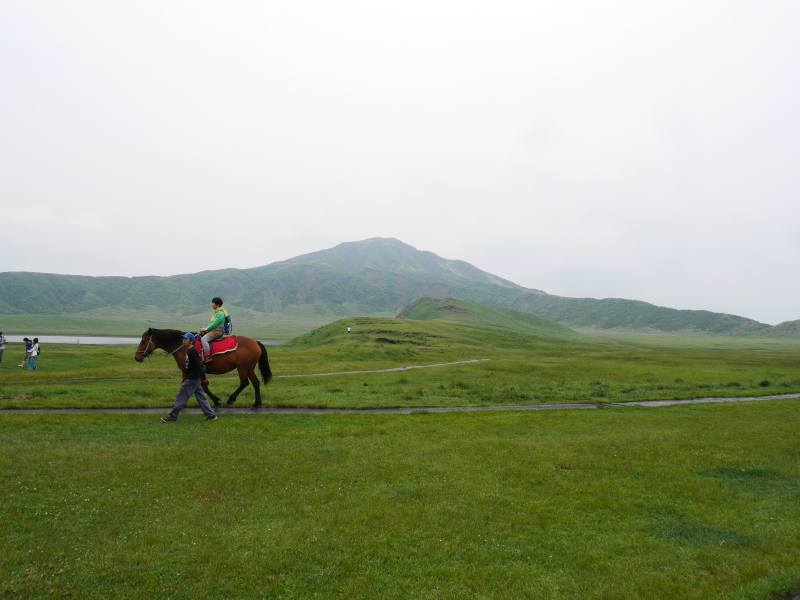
220, 346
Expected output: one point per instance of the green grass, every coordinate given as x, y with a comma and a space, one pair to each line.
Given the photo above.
521, 369
679, 502
691, 502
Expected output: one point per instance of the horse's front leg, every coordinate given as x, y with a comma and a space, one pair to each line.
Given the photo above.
214, 398
242, 385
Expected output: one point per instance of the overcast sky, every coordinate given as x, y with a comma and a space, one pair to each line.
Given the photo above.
642, 150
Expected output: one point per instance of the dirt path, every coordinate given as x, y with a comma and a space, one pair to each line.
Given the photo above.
460, 362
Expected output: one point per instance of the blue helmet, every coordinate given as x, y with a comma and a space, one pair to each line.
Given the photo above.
189, 336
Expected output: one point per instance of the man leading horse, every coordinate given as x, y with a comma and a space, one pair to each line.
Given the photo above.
248, 355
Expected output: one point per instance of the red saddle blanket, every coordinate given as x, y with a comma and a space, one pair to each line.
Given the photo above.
226, 344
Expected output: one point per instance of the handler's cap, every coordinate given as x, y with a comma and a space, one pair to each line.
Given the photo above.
189, 336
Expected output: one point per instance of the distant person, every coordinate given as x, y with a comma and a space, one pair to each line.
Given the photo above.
2, 346
33, 354
192, 384
215, 329
348, 331
28, 346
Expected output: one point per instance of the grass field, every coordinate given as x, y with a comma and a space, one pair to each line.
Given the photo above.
683, 502
695, 502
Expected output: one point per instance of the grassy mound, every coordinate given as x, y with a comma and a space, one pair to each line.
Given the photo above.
481, 315
369, 334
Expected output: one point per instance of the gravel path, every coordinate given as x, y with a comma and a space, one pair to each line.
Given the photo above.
393, 411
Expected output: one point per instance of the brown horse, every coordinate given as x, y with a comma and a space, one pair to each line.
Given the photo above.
243, 359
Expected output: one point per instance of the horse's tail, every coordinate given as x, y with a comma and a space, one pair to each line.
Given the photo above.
263, 364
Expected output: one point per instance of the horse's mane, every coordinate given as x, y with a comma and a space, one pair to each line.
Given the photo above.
168, 337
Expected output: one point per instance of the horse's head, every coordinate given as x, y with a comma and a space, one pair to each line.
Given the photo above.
169, 340
146, 346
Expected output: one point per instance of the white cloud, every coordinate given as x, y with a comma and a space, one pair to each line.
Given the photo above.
42, 221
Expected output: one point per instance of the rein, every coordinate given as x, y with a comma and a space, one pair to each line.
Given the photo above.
173, 352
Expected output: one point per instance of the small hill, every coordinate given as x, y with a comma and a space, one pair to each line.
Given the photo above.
373, 339
452, 310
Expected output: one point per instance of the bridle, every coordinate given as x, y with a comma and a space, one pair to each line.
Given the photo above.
151, 347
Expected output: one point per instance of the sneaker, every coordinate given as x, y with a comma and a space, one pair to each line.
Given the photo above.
214, 418
168, 419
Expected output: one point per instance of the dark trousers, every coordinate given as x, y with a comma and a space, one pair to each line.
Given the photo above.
191, 387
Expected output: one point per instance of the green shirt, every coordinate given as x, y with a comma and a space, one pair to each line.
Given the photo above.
218, 320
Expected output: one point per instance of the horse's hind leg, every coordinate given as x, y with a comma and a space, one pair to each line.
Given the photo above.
214, 398
242, 384
256, 386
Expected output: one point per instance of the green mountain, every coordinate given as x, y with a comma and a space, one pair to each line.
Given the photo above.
375, 277
480, 315
372, 257
628, 316
785, 329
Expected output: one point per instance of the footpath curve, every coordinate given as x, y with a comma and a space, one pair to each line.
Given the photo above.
90, 379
